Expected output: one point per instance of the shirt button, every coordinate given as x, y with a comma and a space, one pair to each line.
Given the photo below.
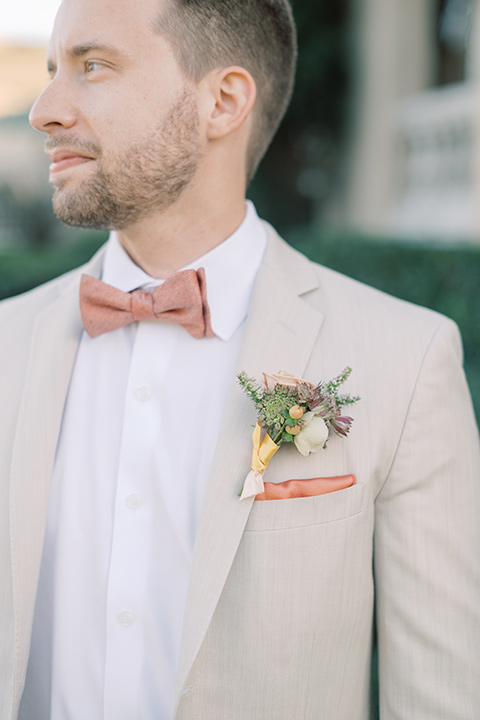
134, 501
125, 619
143, 393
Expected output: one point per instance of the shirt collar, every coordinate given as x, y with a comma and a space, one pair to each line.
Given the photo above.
230, 269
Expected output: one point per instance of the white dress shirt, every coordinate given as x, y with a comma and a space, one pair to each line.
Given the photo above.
138, 435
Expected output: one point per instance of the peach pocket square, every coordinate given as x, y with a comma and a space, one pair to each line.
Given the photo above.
309, 487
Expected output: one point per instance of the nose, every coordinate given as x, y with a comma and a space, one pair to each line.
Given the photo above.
52, 110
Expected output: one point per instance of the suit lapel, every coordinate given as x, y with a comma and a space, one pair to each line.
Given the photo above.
53, 348
280, 334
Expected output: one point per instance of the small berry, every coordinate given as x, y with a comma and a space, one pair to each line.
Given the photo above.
296, 412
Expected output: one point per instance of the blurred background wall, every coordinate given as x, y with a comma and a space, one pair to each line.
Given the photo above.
375, 171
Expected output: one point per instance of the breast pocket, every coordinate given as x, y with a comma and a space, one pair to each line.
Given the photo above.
303, 512
300, 587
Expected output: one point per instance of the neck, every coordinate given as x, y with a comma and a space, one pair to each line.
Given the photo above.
161, 244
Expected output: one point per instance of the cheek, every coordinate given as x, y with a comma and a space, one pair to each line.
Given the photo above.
110, 130
107, 110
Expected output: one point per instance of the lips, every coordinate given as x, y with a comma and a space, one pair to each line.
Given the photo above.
64, 159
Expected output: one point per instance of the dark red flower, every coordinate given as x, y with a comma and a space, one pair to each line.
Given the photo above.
341, 425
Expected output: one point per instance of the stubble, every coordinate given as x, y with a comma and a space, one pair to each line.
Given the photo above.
148, 176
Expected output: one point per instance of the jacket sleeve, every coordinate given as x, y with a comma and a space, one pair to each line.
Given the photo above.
427, 549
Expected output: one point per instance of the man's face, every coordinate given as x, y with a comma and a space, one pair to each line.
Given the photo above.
121, 119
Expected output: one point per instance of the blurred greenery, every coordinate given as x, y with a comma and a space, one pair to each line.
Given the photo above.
29, 217
23, 269
445, 279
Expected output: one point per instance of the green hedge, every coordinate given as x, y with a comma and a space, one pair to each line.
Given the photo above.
445, 279
26, 268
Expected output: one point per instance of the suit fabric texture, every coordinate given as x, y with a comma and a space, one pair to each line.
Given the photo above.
288, 598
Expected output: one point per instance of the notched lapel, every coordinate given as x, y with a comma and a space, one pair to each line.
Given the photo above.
280, 334
53, 348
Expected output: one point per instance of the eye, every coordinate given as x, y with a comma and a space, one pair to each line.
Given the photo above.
91, 66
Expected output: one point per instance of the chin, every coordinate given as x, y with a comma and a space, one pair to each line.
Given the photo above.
80, 217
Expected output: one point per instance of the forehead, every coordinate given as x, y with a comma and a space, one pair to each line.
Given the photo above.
127, 23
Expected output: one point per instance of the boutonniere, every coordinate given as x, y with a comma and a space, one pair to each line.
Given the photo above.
292, 410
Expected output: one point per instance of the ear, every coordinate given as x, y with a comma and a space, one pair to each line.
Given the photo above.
233, 92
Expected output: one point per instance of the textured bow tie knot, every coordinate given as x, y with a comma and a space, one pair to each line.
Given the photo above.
142, 305
182, 299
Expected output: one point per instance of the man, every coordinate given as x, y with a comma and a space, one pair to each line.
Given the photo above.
135, 582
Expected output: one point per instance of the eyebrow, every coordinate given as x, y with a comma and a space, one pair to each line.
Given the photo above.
79, 51
83, 49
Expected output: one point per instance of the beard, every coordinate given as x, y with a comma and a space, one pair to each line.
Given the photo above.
148, 176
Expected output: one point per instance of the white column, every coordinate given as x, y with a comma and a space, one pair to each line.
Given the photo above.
473, 70
394, 59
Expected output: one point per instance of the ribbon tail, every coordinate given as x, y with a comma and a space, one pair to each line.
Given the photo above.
253, 485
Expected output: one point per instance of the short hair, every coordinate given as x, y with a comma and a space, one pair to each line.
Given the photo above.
258, 35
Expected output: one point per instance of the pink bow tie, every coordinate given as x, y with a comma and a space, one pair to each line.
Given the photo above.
182, 298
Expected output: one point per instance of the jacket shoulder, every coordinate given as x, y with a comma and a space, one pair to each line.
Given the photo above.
339, 295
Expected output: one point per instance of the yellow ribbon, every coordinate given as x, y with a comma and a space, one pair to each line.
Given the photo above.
263, 450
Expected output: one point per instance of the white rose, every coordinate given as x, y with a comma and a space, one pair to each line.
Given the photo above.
312, 436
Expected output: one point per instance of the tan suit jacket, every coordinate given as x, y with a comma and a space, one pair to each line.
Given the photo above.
288, 597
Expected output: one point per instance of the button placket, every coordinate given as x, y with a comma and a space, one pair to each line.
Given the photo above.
143, 393
126, 619
134, 501
131, 541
